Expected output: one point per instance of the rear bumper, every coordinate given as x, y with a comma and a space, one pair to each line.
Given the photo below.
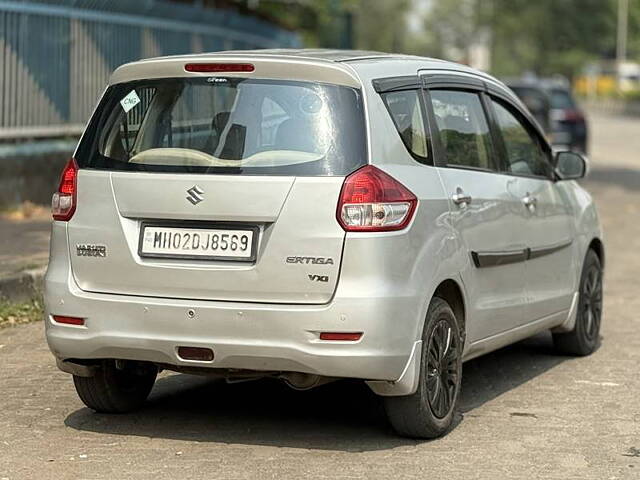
264, 337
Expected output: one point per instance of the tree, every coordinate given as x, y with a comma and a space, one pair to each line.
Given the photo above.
365, 24
544, 37
633, 47
320, 23
548, 36
541, 36
452, 27
381, 24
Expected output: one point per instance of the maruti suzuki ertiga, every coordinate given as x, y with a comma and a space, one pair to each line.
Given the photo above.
315, 215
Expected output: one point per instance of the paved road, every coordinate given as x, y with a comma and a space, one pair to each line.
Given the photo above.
526, 413
24, 244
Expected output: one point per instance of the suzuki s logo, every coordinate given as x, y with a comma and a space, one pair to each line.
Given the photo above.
194, 195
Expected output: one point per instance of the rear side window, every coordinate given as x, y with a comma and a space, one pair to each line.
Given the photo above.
463, 129
524, 153
406, 112
228, 126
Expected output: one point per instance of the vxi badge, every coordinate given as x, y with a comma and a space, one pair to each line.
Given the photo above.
319, 278
311, 260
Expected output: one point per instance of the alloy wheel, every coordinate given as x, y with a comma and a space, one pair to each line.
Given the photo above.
592, 302
442, 368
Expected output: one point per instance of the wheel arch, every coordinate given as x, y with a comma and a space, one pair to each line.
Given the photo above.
451, 292
597, 246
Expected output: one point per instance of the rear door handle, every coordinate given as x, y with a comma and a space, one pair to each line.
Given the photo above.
530, 201
461, 198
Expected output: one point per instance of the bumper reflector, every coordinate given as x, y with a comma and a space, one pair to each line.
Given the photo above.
68, 320
198, 354
341, 336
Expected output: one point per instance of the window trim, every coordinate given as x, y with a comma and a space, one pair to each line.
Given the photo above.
429, 159
500, 149
452, 82
440, 155
396, 84
529, 127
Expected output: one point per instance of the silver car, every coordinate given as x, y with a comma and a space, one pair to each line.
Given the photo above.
314, 215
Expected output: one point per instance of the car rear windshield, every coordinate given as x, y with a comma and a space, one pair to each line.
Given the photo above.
562, 99
227, 126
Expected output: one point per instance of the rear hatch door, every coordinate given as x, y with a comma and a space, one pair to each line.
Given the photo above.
216, 188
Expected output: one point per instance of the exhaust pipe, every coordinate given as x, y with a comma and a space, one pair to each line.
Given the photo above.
304, 381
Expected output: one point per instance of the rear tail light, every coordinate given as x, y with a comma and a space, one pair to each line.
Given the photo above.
373, 201
573, 116
63, 203
219, 67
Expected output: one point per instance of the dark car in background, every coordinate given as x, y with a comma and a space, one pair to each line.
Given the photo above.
568, 120
553, 105
536, 99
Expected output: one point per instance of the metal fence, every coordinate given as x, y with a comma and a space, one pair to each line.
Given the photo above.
56, 55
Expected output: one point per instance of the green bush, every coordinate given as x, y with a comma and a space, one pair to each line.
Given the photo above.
12, 314
632, 96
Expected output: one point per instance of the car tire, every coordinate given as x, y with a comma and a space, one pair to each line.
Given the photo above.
585, 336
116, 390
429, 412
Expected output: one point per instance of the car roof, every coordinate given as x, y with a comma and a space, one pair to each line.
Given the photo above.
321, 54
347, 67
344, 67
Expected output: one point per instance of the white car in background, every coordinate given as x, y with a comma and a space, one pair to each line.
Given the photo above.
313, 215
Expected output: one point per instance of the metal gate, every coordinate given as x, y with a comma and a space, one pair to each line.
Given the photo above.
56, 55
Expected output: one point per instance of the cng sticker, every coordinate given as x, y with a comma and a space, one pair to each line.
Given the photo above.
130, 101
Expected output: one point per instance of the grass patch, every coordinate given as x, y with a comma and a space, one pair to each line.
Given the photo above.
12, 314
24, 211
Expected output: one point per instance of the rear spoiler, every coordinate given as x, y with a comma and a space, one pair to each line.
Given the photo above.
267, 67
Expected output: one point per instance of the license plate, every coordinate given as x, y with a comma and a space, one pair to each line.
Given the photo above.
215, 243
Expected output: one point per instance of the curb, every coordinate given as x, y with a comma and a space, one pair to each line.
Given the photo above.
22, 286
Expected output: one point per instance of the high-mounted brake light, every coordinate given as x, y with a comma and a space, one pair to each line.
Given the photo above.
63, 203
219, 67
373, 201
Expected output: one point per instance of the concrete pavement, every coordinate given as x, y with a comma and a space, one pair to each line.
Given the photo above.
24, 252
525, 411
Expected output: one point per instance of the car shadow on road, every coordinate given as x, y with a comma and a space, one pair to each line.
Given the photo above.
342, 416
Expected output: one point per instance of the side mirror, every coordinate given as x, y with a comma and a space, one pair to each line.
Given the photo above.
570, 166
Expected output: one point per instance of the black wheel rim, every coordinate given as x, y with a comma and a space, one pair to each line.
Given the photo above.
592, 303
442, 369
